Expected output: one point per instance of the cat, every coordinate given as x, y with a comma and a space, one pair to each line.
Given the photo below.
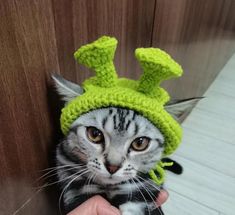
109, 152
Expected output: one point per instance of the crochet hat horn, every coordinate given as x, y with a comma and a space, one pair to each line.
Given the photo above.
99, 56
157, 66
145, 96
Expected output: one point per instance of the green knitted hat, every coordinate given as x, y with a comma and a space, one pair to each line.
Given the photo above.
145, 96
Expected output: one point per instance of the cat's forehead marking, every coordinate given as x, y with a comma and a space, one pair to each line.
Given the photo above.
123, 122
120, 121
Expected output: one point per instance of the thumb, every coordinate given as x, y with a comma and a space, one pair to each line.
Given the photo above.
162, 197
95, 206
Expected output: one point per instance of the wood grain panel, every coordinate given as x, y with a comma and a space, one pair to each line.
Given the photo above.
200, 35
28, 55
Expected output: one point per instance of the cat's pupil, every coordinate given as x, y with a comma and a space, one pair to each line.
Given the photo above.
139, 142
96, 133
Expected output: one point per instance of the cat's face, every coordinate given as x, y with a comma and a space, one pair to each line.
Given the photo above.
115, 144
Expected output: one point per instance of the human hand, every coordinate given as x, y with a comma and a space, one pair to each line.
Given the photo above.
95, 206
99, 206
162, 197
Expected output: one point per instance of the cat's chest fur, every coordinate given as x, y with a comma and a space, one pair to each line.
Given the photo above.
132, 197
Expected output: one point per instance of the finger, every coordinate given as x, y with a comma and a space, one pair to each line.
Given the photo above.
95, 206
162, 197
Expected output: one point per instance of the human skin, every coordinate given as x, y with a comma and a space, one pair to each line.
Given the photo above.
99, 206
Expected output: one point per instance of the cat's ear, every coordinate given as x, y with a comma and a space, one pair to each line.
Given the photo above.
66, 89
179, 108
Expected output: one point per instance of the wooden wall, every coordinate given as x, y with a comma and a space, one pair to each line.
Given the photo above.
38, 37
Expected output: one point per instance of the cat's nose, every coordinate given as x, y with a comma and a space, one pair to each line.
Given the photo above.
112, 168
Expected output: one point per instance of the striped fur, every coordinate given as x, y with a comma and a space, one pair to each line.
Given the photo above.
81, 168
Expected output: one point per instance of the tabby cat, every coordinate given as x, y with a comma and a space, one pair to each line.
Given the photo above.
109, 152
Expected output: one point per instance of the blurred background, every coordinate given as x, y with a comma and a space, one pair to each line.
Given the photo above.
39, 37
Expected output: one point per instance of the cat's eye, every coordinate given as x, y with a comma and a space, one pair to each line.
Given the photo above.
140, 144
94, 135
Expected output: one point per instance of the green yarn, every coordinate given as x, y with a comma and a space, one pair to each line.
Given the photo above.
159, 178
157, 66
145, 96
99, 56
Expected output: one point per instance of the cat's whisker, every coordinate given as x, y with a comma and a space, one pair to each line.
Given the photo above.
158, 189
87, 182
147, 181
151, 195
94, 176
141, 195
38, 191
27, 201
129, 192
56, 167
91, 178
67, 186
128, 197
47, 175
139, 171
151, 184
62, 180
